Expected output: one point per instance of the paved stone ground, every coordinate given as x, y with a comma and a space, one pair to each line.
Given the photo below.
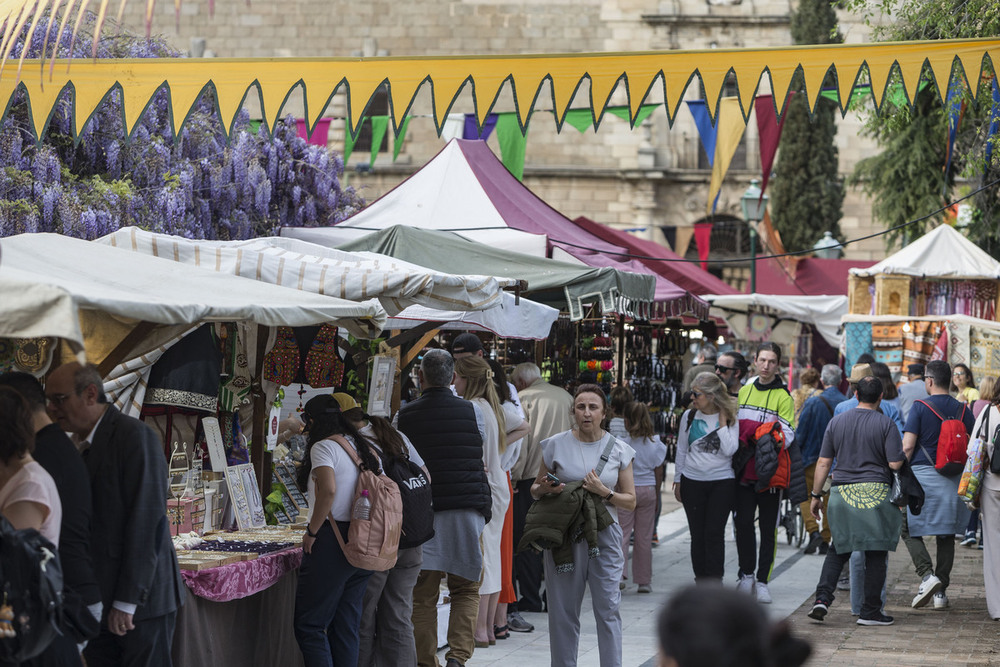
961, 635
964, 634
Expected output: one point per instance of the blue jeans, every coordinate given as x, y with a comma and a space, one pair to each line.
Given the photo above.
328, 603
858, 583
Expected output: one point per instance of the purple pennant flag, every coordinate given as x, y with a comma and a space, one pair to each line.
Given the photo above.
471, 130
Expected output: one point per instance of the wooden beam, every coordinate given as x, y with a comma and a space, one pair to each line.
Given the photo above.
127, 344
398, 339
412, 353
259, 456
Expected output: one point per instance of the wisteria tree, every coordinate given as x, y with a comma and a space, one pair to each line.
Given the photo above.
194, 185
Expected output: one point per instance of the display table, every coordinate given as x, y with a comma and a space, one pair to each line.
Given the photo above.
240, 614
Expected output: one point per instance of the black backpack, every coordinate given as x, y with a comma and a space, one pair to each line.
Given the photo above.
32, 585
418, 505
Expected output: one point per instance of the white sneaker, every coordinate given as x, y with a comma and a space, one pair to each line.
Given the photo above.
928, 587
763, 595
745, 584
940, 600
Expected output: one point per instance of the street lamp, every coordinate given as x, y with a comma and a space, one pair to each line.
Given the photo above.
827, 247
753, 205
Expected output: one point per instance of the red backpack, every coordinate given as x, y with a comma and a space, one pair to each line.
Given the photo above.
952, 445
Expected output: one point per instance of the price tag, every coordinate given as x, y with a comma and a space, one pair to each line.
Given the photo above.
216, 449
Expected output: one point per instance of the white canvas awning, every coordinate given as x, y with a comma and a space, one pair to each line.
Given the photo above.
822, 312
37, 310
157, 290
940, 253
314, 268
526, 319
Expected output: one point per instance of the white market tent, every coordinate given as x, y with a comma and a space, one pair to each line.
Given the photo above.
37, 310
322, 270
941, 253
527, 319
785, 311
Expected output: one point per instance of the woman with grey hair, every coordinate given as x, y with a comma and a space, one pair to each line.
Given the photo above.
703, 472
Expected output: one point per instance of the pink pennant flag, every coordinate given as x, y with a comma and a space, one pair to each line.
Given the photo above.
769, 130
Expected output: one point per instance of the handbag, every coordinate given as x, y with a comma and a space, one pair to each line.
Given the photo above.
972, 472
906, 490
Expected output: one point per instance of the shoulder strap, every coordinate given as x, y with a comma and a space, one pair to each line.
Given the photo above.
354, 455
826, 403
928, 406
606, 454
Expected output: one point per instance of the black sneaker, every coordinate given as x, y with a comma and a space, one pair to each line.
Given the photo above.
879, 619
818, 612
813, 544
823, 548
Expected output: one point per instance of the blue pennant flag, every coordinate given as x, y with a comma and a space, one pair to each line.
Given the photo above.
706, 131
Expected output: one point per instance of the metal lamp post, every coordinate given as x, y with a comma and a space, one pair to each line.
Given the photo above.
753, 205
827, 247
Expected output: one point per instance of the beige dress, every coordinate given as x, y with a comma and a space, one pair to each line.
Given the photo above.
497, 478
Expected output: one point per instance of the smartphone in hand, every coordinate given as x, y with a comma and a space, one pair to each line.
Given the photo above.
553, 480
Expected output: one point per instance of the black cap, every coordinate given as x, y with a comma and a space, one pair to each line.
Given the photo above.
915, 369
467, 342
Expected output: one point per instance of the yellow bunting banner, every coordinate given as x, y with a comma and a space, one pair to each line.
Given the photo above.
645, 77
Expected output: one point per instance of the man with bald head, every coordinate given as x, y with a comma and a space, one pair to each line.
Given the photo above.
134, 559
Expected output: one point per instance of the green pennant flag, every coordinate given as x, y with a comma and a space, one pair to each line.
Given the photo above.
398, 143
512, 143
581, 119
379, 126
624, 112
348, 143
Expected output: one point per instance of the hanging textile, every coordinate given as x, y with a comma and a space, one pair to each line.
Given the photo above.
919, 341
471, 129
941, 346
887, 343
976, 298
959, 351
125, 385
984, 348
857, 341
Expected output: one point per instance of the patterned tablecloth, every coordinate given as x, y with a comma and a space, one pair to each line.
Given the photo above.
240, 580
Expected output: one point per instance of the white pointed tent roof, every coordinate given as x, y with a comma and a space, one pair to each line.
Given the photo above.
941, 253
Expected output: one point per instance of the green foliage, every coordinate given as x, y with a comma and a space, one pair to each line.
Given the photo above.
907, 180
272, 503
806, 192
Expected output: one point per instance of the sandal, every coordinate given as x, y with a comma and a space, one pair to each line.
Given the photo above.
501, 631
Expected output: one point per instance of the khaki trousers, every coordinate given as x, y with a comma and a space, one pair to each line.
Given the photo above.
464, 596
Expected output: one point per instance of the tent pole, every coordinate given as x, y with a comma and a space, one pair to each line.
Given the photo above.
621, 350
259, 456
117, 355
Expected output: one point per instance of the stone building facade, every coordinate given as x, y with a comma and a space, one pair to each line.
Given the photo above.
651, 178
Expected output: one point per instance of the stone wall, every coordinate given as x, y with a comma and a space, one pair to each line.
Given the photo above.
645, 178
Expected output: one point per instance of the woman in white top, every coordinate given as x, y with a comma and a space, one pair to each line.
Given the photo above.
516, 428
28, 495
650, 454
328, 600
574, 456
474, 382
989, 501
703, 472
386, 635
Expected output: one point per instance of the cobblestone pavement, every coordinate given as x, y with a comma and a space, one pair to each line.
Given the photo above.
964, 634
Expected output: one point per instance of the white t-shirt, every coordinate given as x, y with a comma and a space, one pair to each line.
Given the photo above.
513, 418
328, 454
705, 451
570, 459
649, 454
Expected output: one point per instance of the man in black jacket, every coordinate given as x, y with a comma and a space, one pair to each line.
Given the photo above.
81, 598
447, 431
133, 556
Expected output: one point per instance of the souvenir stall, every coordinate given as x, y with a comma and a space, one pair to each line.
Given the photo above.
936, 298
131, 318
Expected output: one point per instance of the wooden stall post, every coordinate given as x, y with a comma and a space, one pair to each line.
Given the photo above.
259, 456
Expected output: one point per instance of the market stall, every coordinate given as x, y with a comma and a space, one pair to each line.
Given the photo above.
934, 299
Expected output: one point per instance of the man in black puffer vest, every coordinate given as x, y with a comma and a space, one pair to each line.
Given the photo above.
447, 432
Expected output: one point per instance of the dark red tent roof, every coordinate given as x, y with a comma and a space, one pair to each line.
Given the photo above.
812, 276
688, 275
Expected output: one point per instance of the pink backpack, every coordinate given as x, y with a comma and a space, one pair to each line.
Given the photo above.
373, 543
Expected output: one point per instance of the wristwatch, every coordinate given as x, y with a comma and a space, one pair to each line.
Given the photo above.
815, 495
608, 497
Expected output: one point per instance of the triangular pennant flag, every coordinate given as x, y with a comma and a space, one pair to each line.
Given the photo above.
487, 88
712, 81
136, 96
675, 82
565, 81
747, 80
400, 133
848, 74
581, 119
640, 82
879, 77
472, 130
229, 97
706, 130
361, 93
512, 143
625, 113
274, 91
769, 132
729, 130
379, 125
781, 82
602, 84
525, 93
183, 95
316, 94
41, 101
446, 89
86, 99
941, 67
813, 83
402, 90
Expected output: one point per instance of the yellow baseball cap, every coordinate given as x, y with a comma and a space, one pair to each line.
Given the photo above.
345, 401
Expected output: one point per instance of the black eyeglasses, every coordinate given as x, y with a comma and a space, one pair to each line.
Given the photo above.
723, 369
696, 394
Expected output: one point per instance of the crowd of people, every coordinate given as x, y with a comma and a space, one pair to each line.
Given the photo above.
539, 496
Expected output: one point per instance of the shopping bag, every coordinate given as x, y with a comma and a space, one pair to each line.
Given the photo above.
972, 474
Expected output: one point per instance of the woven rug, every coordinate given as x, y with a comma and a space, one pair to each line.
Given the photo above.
918, 342
857, 341
959, 351
984, 345
887, 341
